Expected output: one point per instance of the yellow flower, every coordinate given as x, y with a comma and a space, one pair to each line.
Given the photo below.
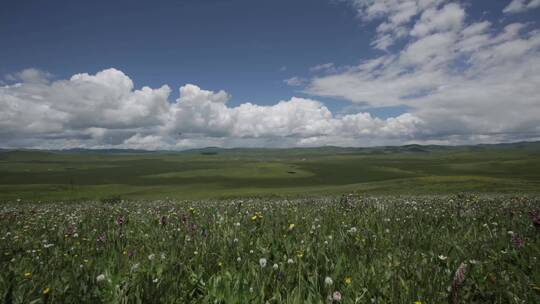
124, 252
299, 253
27, 274
220, 264
253, 218
46, 291
348, 280
291, 226
417, 302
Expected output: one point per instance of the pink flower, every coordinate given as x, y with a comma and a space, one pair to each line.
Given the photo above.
336, 296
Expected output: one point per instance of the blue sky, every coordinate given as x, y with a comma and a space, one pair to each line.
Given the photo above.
247, 48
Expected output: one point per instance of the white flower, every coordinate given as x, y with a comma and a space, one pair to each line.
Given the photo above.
235, 240
239, 259
262, 262
442, 257
100, 278
237, 224
328, 281
352, 230
275, 266
151, 256
155, 280
290, 261
48, 245
135, 267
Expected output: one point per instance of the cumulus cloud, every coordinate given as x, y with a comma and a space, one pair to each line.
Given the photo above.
461, 79
105, 110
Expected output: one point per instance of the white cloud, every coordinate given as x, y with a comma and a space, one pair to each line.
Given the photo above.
295, 81
449, 17
459, 79
105, 110
397, 16
519, 6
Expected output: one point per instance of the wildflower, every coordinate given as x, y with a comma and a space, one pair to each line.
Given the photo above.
237, 224
442, 257
352, 230
290, 261
254, 218
328, 281
130, 254
459, 278
348, 280
100, 278
299, 253
100, 238
517, 241
239, 259
262, 262
163, 220
155, 280
336, 296
151, 256
120, 220
135, 267
27, 274
417, 302
291, 226
275, 266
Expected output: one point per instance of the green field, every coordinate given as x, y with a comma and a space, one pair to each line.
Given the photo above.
222, 173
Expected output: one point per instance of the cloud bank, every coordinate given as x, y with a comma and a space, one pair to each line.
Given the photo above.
105, 110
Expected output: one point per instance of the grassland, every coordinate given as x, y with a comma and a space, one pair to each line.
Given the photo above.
426, 249
422, 224
222, 173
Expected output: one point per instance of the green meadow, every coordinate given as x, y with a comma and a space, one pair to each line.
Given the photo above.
229, 173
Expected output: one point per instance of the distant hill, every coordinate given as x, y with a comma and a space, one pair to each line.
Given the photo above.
411, 148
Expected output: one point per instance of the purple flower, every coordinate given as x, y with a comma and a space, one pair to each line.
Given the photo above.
517, 241
120, 220
100, 238
536, 223
163, 220
130, 254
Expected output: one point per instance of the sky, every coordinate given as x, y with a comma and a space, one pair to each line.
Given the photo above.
186, 74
